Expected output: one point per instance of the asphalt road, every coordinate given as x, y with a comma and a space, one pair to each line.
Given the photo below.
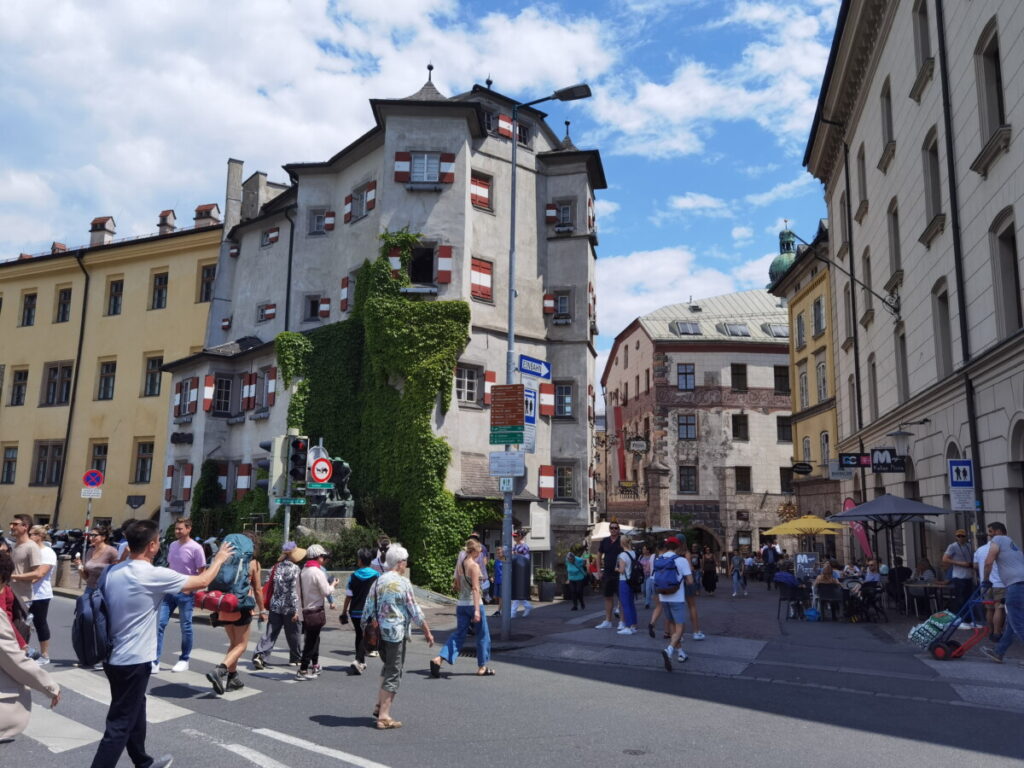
836, 695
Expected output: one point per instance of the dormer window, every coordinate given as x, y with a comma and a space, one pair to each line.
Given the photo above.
777, 330
736, 329
686, 328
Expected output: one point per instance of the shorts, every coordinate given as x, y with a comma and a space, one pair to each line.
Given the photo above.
610, 585
675, 612
997, 594
244, 621
393, 656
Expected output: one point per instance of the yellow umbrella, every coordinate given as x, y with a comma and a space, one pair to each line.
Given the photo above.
808, 525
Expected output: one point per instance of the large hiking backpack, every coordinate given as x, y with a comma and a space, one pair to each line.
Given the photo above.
666, 575
636, 573
233, 577
91, 634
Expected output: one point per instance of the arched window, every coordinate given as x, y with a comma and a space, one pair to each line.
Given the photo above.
941, 330
825, 448
1006, 274
806, 447
991, 107
932, 178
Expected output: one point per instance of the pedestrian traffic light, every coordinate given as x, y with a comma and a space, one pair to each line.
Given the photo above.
298, 457
270, 474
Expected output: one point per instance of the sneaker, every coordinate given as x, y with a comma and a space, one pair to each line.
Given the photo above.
316, 669
293, 662
698, 635
991, 654
968, 625
156, 667
666, 657
258, 662
615, 613
744, 593
354, 669
527, 612
99, 666
234, 682
734, 594
42, 661
181, 666
163, 762
621, 626
31, 652
681, 656
300, 676
626, 631
604, 625
218, 679
374, 654
497, 613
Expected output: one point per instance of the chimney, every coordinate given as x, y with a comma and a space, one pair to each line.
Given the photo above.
207, 215
23, 256
102, 230
233, 195
253, 195
166, 223
56, 247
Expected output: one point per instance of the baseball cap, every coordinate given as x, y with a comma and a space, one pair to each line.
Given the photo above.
315, 550
960, 532
673, 541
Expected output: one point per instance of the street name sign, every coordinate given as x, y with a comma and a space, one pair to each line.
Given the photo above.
961, 485
320, 486
92, 493
291, 502
531, 366
507, 463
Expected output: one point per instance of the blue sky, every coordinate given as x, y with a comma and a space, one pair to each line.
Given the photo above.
701, 110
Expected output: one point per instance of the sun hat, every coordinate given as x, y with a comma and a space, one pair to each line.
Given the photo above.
296, 555
315, 550
288, 546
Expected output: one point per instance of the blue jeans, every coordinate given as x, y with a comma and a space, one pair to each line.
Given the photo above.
737, 582
626, 601
1014, 616
464, 616
184, 604
649, 590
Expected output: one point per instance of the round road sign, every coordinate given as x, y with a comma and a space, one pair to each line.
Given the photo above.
92, 479
321, 470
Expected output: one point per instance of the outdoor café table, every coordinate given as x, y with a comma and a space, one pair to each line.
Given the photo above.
934, 592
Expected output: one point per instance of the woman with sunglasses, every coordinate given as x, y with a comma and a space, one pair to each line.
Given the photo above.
100, 555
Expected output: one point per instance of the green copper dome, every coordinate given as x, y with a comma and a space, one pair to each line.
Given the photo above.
787, 255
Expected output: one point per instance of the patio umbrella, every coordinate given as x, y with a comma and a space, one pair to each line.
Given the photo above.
887, 512
601, 530
808, 525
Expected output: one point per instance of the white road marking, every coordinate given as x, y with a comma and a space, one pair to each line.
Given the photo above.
58, 733
337, 754
93, 685
248, 753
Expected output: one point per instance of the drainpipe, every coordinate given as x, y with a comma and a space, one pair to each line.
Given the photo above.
288, 281
958, 257
74, 390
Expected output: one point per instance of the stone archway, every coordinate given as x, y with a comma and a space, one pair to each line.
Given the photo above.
705, 537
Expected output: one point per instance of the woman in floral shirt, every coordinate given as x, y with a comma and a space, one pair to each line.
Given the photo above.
394, 605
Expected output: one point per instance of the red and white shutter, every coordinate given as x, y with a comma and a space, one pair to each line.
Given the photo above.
271, 385
447, 170
395, 259
591, 220
505, 126
549, 303
225, 323
186, 483
269, 311
480, 192
193, 394
325, 306
480, 279
273, 234
222, 479
551, 213
329, 221
371, 195
490, 379
444, 263
343, 296
546, 391
177, 398
233, 251
546, 481
403, 166
248, 391
208, 392
169, 483
348, 209
243, 482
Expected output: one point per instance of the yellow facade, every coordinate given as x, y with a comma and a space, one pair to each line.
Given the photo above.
92, 372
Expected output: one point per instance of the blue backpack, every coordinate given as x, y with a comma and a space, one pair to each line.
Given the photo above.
91, 634
233, 577
666, 575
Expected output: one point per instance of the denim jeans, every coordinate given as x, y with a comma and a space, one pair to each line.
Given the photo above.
1014, 616
184, 604
737, 582
464, 617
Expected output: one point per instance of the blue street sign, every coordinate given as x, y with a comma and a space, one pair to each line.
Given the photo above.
531, 366
530, 406
961, 473
93, 478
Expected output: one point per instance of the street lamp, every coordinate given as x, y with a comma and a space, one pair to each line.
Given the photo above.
571, 93
901, 436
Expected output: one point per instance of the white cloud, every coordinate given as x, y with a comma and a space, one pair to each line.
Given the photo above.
697, 202
753, 274
786, 190
753, 171
742, 234
605, 210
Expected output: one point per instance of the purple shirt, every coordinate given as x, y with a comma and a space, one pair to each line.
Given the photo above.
187, 558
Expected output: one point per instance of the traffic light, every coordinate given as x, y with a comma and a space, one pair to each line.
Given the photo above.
274, 467
298, 457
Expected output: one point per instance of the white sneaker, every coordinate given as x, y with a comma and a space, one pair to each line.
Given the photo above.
698, 635
42, 661
681, 656
181, 666
734, 594
156, 667
626, 631
604, 625
621, 626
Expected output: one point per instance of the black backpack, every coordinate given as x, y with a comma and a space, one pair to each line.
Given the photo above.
636, 574
91, 634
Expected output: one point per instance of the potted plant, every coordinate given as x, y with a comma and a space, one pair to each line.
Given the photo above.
545, 585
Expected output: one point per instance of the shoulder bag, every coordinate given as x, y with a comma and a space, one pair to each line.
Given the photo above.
371, 626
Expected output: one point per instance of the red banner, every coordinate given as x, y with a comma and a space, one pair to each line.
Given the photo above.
860, 533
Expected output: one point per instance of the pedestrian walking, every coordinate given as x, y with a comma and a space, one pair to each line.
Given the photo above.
394, 605
185, 555
359, 585
626, 562
42, 591
576, 574
695, 568
1004, 553
469, 611
284, 607
671, 575
19, 675
660, 549
647, 563
995, 611
737, 570
28, 561
315, 590
607, 561
709, 572
770, 558
237, 624
100, 555
133, 592
481, 560
521, 549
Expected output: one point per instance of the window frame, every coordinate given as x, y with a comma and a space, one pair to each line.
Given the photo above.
803, 388
222, 382
801, 331
565, 398
479, 178
8, 464
115, 297
316, 221
740, 427
417, 261
51, 454
784, 371
151, 373
142, 462
463, 384
783, 426
818, 321
565, 479
428, 161
159, 290
206, 283
106, 379
688, 472
748, 473
29, 309
786, 476
311, 307
738, 372
99, 453
821, 380
61, 384
690, 376
686, 430
62, 305
991, 86
19, 388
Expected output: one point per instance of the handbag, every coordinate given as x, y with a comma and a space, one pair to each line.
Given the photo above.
268, 588
371, 627
314, 618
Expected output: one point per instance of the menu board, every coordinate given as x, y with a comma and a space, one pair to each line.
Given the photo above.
806, 566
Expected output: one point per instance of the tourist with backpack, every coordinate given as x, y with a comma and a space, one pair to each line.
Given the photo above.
129, 596
283, 601
671, 574
240, 578
631, 576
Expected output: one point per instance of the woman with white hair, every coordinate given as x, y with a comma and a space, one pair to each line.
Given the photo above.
394, 605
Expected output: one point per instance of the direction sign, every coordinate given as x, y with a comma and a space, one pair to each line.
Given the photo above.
836, 471
92, 479
507, 405
92, 493
961, 485
531, 366
507, 463
512, 437
321, 470
886, 460
291, 502
320, 486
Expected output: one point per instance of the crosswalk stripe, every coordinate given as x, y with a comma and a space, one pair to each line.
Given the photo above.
337, 754
94, 685
58, 733
196, 680
241, 750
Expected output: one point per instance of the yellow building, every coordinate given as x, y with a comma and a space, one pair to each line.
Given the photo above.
802, 279
83, 336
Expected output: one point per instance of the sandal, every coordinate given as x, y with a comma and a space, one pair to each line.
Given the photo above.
376, 711
487, 672
435, 669
387, 725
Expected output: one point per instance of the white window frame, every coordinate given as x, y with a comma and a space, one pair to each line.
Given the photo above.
468, 380
424, 167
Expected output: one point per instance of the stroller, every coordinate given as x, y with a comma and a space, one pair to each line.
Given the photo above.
936, 634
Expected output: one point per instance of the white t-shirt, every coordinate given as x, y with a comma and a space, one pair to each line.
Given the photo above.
43, 589
133, 592
627, 558
979, 563
684, 570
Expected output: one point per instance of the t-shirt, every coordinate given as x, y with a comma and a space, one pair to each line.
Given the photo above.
737, 564
97, 562
27, 557
609, 550
187, 558
979, 563
958, 551
43, 589
1010, 560
683, 569
133, 592
627, 559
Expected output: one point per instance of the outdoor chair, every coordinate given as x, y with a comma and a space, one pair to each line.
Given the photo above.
832, 596
793, 598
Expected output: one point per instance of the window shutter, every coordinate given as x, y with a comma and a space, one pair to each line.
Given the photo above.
193, 395
271, 386
208, 392
444, 264
549, 303
248, 392
343, 296
329, 221
177, 398
270, 311
490, 379
546, 481
243, 481
186, 483
348, 209
222, 479
371, 195
273, 234
233, 251
403, 165
169, 483
225, 323
590, 214
551, 214
546, 391
325, 306
395, 258
505, 126
447, 172
480, 279
480, 192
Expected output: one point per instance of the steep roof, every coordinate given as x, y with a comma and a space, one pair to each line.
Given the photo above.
756, 310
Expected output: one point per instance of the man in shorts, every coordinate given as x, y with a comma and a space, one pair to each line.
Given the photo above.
607, 557
674, 605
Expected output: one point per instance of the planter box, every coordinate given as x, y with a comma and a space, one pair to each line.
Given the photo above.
546, 591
